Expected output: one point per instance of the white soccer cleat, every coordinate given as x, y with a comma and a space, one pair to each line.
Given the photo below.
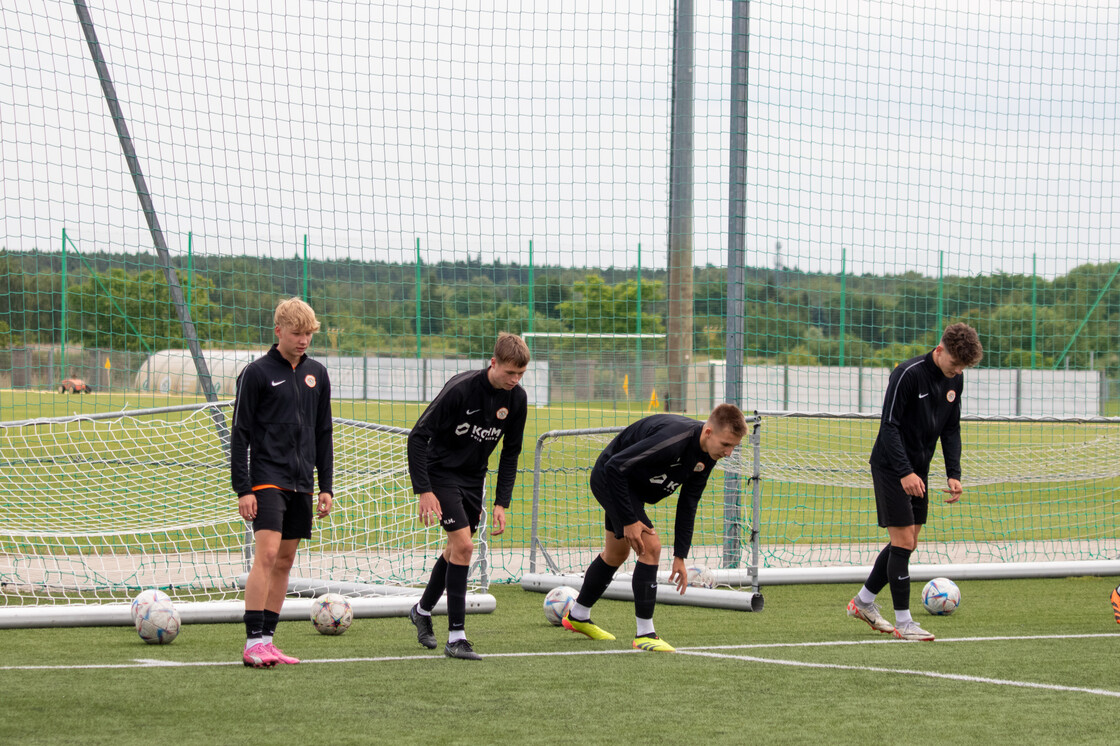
911, 631
870, 614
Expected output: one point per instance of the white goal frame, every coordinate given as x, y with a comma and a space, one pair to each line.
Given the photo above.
85, 572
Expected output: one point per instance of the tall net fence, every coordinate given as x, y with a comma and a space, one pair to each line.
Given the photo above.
427, 176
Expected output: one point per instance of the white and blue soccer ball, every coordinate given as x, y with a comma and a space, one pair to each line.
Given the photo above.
941, 596
146, 598
700, 577
331, 614
558, 602
158, 623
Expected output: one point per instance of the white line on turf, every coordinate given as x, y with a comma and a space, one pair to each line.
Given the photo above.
906, 672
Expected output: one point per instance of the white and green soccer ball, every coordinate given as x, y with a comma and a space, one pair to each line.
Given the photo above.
331, 614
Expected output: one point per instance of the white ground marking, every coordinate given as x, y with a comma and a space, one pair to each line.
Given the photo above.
704, 652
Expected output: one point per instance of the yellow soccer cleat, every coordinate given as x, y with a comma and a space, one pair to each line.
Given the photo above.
588, 628
653, 643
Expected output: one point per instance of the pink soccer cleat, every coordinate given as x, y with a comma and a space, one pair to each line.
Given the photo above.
259, 656
279, 654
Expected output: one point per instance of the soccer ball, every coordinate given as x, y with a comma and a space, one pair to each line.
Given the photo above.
331, 614
941, 596
558, 602
700, 577
158, 623
145, 599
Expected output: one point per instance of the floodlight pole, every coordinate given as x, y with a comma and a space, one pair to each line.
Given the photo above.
736, 281
146, 203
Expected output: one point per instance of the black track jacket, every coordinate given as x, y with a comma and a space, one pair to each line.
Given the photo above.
452, 441
282, 429
648, 461
920, 406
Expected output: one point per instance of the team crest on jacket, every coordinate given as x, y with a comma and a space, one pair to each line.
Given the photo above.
310, 381
699, 466
502, 413
951, 396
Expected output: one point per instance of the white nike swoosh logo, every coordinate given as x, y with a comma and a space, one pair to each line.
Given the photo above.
923, 396
471, 411
277, 383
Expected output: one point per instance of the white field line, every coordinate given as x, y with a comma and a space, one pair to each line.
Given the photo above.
697, 652
907, 672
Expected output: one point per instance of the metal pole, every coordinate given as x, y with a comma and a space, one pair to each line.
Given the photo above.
531, 294
638, 377
306, 278
62, 362
1034, 308
418, 265
679, 323
736, 253
145, 196
843, 300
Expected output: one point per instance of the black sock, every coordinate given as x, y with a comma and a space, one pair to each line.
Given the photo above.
595, 581
898, 572
877, 580
271, 619
436, 585
457, 596
254, 624
645, 590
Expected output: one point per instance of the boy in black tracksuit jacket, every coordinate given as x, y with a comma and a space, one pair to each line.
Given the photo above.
280, 439
448, 451
922, 404
644, 464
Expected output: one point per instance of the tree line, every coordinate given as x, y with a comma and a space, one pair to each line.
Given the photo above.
121, 301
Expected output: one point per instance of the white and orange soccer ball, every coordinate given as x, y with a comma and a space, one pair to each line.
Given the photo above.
331, 614
558, 602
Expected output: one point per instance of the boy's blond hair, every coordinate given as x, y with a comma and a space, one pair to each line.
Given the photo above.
295, 315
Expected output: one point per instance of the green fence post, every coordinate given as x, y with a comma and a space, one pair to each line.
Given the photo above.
418, 264
843, 299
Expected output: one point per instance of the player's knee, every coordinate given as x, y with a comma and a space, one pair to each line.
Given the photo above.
652, 550
460, 551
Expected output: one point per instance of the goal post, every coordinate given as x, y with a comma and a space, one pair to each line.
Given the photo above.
1039, 500
98, 507
567, 522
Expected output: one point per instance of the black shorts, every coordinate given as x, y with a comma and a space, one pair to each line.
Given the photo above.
895, 507
613, 522
461, 506
284, 511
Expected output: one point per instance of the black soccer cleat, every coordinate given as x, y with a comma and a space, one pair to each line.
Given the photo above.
424, 634
461, 649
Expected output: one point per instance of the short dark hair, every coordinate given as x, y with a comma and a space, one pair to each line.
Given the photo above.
511, 350
728, 417
962, 342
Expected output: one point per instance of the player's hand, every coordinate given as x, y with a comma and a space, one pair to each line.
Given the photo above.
499, 522
430, 511
326, 502
679, 575
955, 491
247, 506
633, 534
913, 485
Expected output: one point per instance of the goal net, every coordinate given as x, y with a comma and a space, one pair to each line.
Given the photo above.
1040, 498
98, 507
567, 521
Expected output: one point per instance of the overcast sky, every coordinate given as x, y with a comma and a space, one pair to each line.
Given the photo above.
906, 133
